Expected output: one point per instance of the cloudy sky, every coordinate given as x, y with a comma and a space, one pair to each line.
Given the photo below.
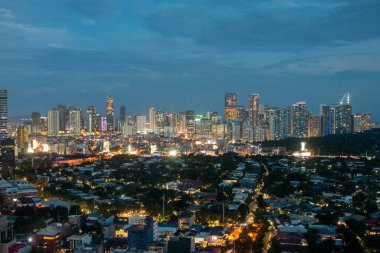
181, 55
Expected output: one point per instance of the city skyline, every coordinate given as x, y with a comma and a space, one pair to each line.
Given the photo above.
102, 109
70, 52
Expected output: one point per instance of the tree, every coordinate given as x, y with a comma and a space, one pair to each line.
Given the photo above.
59, 213
312, 238
75, 209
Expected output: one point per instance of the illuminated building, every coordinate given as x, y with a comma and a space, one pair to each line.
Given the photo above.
7, 158
270, 118
186, 220
78, 242
190, 123
152, 118
230, 106
203, 126
247, 134
53, 123
235, 132
213, 116
22, 143
300, 119
12, 190
44, 124
91, 120
141, 124
48, 241
304, 153
122, 118
219, 131
343, 119
36, 122
3, 113
362, 122
327, 120
314, 126
283, 123
75, 121
103, 123
140, 236
110, 114
253, 110
181, 122
160, 119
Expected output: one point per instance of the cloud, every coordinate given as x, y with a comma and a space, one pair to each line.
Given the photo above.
269, 25
5, 13
88, 21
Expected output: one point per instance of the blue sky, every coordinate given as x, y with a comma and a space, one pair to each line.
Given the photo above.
180, 55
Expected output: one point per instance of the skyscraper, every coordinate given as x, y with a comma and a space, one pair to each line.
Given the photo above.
110, 114
327, 121
283, 123
122, 116
141, 124
190, 123
152, 118
253, 110
21, 143
300, 119
230, 106
314, 126
36, 122
7, 158
343, 119
53, 123
75, 121
271, 115
91, 120
3, 113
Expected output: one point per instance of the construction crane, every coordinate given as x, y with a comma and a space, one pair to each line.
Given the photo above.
346, 97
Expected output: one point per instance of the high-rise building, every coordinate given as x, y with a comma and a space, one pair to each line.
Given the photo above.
7, 158
44, 124
253, 110
75, 121
3, 113
91, 120
53, 123
102, 123
36, 122
362, 122
21, 143
152, 118
203, 126
242, 112
343, 119
314, 126
283, 123
190, 123
327, 120
300, 119
141, 124
230, 106
270, 118
110, 114
122, 117
160, 121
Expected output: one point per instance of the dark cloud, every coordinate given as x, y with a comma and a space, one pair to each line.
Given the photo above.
187, 54
270, 25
